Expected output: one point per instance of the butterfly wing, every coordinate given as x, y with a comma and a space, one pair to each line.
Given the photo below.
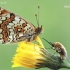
14, 28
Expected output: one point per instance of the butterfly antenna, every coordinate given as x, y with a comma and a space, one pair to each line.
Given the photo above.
38, 15
37, 19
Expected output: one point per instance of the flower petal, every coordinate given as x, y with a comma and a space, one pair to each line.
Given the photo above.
40, 42
27, 55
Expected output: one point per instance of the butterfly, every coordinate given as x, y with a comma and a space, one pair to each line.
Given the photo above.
14, 29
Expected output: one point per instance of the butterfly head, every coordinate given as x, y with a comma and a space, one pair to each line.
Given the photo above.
40, 29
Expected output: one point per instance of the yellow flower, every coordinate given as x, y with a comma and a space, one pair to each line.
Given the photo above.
31, 55
28, 54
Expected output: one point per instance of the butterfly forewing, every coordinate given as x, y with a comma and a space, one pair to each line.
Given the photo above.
14, 28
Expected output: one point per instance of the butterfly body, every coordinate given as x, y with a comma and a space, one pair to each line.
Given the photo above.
15, 29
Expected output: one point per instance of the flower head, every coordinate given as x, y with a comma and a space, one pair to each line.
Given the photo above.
31, 55
28, 54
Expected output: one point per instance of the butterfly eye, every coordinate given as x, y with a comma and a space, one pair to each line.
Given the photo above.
39, 30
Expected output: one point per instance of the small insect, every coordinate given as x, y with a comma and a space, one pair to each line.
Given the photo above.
15, 29
59, 48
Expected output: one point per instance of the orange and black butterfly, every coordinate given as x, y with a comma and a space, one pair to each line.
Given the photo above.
15, 29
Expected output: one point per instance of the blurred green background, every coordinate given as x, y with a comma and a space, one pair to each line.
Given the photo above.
54, 17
